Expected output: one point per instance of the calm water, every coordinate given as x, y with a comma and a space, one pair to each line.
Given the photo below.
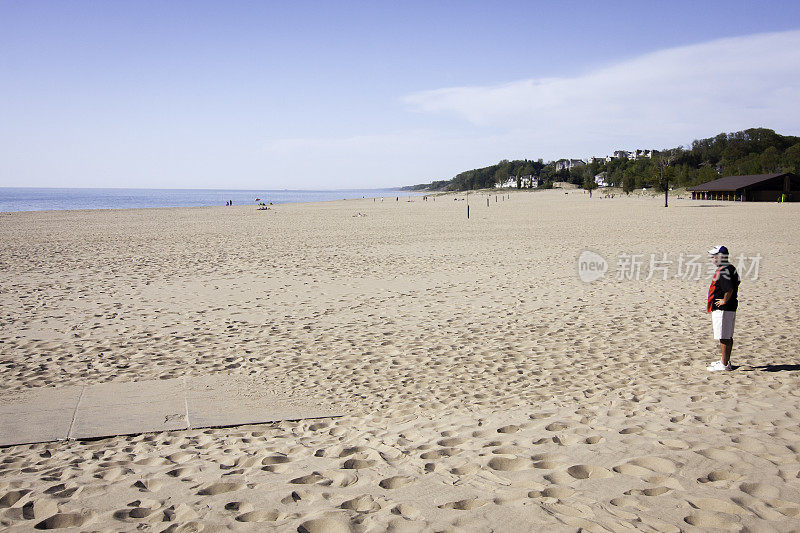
41, 199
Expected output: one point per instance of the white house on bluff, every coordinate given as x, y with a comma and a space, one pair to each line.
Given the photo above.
632, 156
568, 164
642, 154
525, 182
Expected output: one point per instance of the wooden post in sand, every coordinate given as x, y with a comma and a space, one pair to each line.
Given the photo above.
467, 211
487, 201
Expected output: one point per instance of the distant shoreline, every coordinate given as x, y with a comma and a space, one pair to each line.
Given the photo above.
35, 199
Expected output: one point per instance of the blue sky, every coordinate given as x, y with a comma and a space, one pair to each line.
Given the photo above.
373, 94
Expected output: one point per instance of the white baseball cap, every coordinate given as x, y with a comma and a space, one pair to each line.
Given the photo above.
718, 249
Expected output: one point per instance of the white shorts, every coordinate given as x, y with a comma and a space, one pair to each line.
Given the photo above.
723, 324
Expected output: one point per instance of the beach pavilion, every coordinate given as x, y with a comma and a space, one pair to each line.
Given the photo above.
753, 188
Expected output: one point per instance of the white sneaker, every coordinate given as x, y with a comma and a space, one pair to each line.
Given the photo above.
716, 366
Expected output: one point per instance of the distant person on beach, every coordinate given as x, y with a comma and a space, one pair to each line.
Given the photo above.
722, 303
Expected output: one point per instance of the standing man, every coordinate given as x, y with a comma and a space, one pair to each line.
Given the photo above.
722, 303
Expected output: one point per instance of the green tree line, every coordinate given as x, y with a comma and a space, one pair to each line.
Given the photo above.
752, 151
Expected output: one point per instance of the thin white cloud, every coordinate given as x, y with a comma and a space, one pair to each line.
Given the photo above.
668, 96
661, 99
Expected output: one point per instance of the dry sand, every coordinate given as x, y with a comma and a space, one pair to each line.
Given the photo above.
490, 388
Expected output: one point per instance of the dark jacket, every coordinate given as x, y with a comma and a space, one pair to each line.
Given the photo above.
725, 279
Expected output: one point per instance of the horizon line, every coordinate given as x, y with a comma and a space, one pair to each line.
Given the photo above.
396, 188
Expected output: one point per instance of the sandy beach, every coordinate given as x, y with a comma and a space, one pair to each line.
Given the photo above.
489, 387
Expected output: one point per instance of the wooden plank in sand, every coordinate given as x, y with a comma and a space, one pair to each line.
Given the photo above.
111, 409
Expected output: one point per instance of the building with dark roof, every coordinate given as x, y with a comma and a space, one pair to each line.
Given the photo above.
755, 188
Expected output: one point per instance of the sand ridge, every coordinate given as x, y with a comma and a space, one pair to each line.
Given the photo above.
490, 389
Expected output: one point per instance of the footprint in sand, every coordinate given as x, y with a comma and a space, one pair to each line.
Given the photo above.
627, 501
364, 503
650, 491
465, 470
10, 498
310, 479
275, 460
723, 456
674, 444
259, 516
299, 495
353, 450
507, 464
241, 463
705, 519
336, 478
151, 461
508, 450
183, 472
717, 506
180, 457
575, 509
395, 482
632, 470
790, 509
588, 471
63, 490
645, 466
148, 485
566, 440
559, 477
760, 490
133, 513
749, 444
220, 488
112, 474
464, 505
547, 464
441, 452
39, 509
451, 442
239, 507
719, 475
62, 520
325, 525
356, 464
407, 511
552, 492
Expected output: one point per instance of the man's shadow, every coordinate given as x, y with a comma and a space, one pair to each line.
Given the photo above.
773, 368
